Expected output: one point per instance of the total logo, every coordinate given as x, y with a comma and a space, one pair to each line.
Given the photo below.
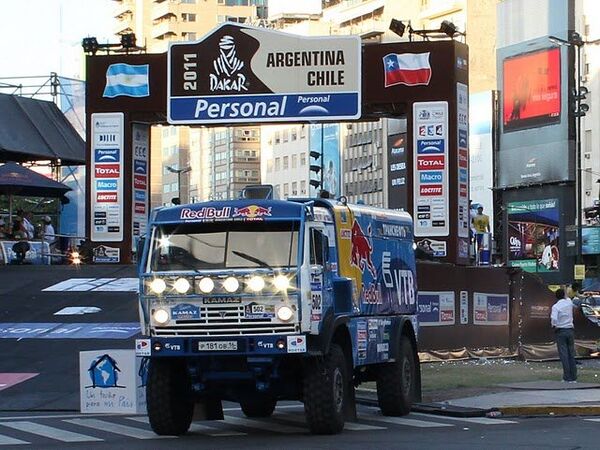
107, 170
139, 181
430, 162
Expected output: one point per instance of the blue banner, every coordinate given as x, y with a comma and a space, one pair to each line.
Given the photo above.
17, 330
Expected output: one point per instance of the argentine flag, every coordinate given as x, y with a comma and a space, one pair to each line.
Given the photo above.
128, 80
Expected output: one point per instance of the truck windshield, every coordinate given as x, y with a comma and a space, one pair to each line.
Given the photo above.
224, 245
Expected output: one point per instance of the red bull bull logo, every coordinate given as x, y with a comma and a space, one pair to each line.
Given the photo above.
252, 212
362, 250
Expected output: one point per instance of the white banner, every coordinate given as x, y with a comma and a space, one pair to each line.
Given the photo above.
107, 177
430, 148
462, 119
139, 201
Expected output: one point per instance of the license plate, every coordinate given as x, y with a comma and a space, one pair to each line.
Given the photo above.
258, 309
215, 346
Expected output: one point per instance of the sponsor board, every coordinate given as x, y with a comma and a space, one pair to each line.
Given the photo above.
140, 197
107, 170
104, 254
107, 155
462, 125
436, 308
490, 309
106, 197
106, 185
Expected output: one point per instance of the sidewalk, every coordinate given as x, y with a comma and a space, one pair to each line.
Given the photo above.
519, 393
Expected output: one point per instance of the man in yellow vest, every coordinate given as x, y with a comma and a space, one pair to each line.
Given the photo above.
481, 224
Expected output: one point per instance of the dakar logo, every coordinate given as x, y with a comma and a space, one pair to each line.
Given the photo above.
227, 66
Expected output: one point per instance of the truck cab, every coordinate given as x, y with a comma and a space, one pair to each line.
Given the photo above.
260, 300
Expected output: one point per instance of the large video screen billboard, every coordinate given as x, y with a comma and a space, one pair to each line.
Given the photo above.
533, 235
531, 89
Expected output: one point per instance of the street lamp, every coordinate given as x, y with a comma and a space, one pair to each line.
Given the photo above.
178, 172
575, 40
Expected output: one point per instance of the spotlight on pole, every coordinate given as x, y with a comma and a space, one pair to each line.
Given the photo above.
90, 45
397, 27
448, 28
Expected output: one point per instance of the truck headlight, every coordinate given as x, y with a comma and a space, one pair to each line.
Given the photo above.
284, 313
182, 285
161, 316
256, 283
281, 282
231, 284
158, 286
206, 285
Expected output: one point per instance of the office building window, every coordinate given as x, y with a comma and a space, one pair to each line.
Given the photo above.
187, 17
295, 188
286, 135
286, 190
303, 187
166, 188
191, 2
294, 161
303, 159
277, 164
286, 162
294, 134
277, 138
188, 36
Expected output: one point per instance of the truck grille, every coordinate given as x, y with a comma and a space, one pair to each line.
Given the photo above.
220, 320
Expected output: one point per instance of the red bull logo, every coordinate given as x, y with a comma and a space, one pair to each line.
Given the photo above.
362, 250
252, 211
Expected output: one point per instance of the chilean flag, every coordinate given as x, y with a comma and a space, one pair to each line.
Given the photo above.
411, 69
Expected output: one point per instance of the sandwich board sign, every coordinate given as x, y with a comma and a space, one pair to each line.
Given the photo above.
240, 74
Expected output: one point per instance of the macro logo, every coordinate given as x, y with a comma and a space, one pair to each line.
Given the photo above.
106, 185
107, 170
252, 211
106, 155
139, 195
431, 177
430, 162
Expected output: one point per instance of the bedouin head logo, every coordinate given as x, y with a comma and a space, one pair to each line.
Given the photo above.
227, 75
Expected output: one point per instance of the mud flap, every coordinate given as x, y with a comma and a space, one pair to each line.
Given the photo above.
350, 404
208, 409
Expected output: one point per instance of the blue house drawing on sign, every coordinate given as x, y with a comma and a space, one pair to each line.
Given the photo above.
104, 372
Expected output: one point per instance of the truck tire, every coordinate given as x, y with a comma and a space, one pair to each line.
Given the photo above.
396, 382
325, 392
169, 397
258, 405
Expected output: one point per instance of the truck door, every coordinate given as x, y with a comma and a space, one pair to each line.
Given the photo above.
321, 277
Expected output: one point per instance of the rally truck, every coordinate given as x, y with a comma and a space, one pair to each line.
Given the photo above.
259, 300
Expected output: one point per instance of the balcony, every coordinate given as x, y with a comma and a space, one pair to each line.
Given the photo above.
164, 29
123, 8
123, 27
164, 10
346, 12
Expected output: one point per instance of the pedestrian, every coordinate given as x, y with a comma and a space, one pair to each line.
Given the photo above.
561, 319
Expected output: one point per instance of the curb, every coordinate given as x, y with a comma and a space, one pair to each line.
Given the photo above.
550, 410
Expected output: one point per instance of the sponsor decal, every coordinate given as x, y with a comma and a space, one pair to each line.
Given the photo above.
139, 195
106, 185
252, 211
185, 311
140, 208
463, 158
462, 138
107, 170
221, 300
205, 213
410, 69
362, 249
106, 155
106, 138
430, 162
140, 167
139, 181
431, 189
106, 197
104, 254
296, 344
425, 146
431, 177
142, 347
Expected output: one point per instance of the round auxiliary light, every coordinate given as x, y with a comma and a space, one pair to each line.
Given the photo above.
231, 284
256, 283
206, 285
281, 282
161, 316
158, 286
285, 313
181, 285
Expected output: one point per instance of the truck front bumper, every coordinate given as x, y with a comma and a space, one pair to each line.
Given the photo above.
271, 345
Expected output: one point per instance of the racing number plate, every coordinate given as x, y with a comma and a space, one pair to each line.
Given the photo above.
216, 346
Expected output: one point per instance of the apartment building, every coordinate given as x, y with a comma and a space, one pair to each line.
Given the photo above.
180, 154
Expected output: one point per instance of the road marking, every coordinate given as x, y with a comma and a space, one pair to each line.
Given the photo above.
480, 420
50, 432
5, 440
10, 379
593, 420
111, 427
56, 416
196, 428
352, 426
408, 422
96, 285
251, 423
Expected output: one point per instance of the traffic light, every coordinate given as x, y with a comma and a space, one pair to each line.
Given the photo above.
316, 169
128, 40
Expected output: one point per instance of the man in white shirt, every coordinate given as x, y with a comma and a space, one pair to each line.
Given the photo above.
562, 322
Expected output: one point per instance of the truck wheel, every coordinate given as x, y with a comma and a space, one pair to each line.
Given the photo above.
258, 405
325, 392
169, 397
396, 382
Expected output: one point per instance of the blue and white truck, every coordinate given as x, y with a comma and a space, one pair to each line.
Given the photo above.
261, 300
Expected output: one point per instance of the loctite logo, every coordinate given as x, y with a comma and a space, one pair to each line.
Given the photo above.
140, 208
106, 197
107, 170
430, 189
463, 158
430, 162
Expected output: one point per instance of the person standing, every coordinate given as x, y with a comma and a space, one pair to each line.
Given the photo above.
561, 319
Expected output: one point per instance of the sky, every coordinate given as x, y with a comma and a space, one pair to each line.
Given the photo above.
42, 36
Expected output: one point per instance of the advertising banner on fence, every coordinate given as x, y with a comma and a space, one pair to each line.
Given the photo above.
436, 308
139, 202
490, 309
239, 73
533, 235
430, 170
107, 177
